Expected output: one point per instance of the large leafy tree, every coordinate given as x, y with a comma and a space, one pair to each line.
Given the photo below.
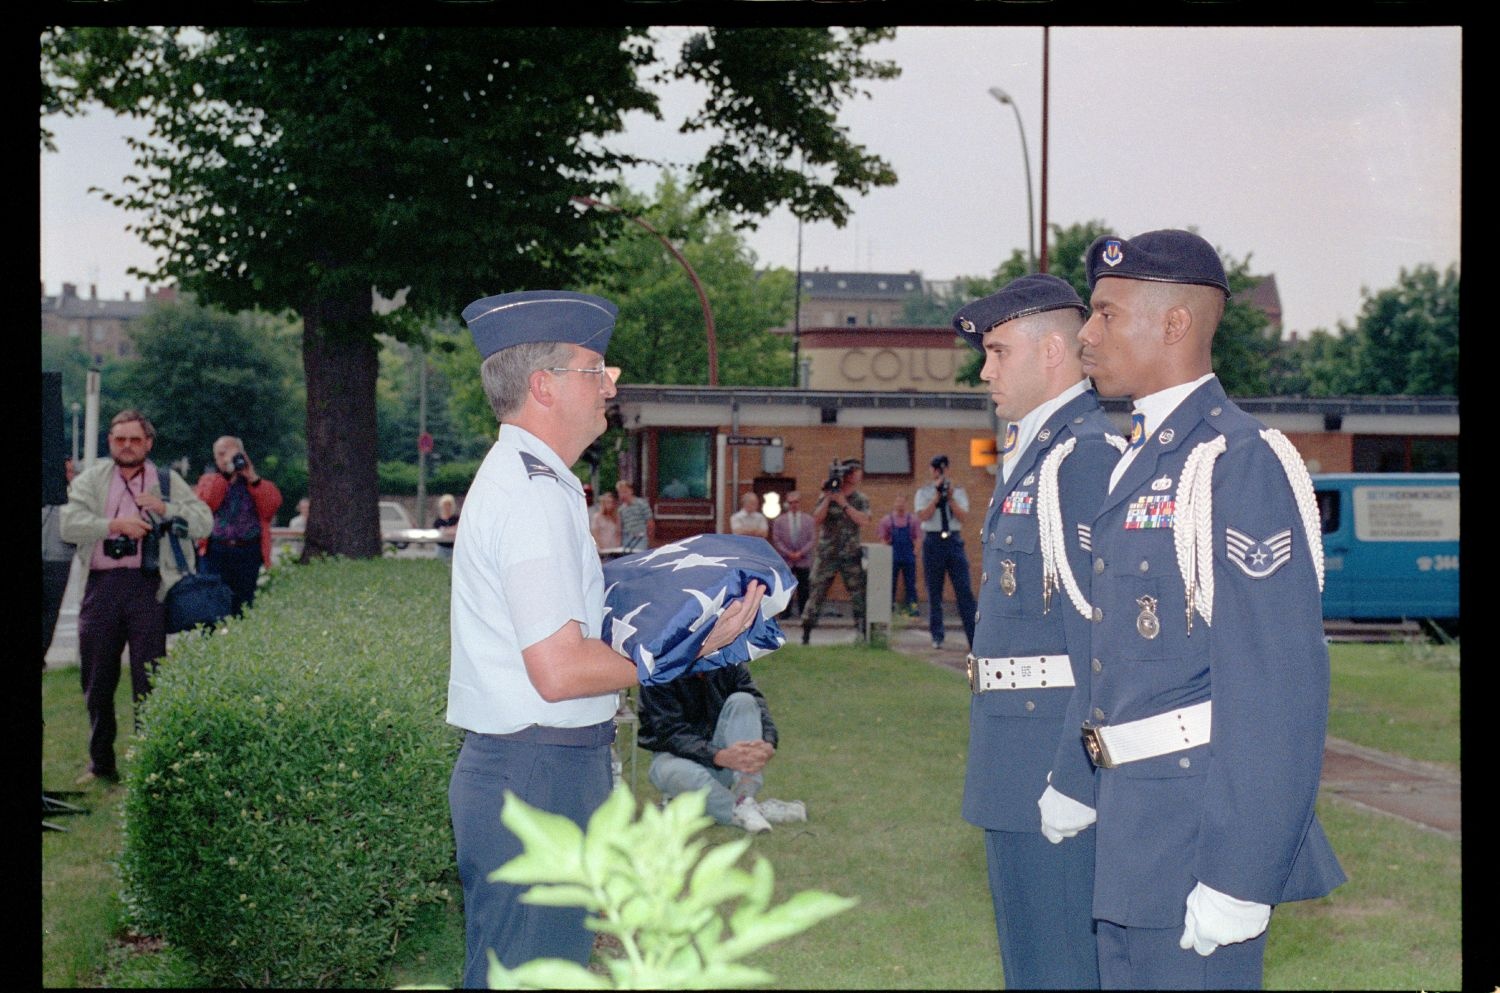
301, 168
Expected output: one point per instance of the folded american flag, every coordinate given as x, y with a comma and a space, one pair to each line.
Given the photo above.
659, 606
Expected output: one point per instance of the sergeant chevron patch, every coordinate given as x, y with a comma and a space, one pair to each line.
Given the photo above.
1258, 559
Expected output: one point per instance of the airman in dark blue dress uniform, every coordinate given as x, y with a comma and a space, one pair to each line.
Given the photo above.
1054, 473
1205, 703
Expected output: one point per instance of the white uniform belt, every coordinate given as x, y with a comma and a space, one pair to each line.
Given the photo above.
1019, 672
1174, 731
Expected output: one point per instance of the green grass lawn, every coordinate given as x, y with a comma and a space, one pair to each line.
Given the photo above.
874, 742
1400, 698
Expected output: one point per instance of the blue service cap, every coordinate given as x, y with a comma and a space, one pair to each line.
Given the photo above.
1168, 256
1022, 297
540, 315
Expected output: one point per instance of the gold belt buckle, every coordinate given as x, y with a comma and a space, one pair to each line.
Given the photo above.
1098, 754
969, 670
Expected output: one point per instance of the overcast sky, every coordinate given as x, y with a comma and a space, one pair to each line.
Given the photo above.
1331, 156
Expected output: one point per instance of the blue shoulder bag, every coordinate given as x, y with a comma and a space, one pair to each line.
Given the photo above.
195, 598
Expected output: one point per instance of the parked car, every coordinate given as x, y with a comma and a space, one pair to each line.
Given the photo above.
395, 524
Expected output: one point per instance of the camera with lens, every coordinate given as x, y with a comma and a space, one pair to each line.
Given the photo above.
119, 546
836, 473
239, 461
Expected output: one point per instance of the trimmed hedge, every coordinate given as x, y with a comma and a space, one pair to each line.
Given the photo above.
287, 810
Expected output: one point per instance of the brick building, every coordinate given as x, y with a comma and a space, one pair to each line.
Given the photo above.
101, 327
682, 454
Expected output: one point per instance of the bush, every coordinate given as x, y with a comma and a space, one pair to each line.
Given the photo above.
400, 478
287, 810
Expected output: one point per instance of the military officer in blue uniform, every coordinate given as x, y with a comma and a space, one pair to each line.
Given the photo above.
1054, 470
1205, 705
531, 683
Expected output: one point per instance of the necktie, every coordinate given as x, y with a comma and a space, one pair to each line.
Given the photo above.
1137, 429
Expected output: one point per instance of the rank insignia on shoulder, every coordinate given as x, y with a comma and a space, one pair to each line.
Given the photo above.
1018, 502
1164, 483
1147, 511
1086, 537
536, 467
1256, 558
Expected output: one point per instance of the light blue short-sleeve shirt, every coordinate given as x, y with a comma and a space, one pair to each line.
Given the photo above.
524, 564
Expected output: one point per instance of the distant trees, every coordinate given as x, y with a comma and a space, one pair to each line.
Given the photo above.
200, 373
660, 335
1404, 342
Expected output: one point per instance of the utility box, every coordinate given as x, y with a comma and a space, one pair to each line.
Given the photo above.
876, 561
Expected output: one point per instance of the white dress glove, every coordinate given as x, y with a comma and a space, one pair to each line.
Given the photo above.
1063, 816
1215, 919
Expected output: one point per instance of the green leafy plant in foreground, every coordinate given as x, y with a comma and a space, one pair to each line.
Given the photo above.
652, 886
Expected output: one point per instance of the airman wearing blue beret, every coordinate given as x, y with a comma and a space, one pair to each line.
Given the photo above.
1031, 635
531, 683
1205, 705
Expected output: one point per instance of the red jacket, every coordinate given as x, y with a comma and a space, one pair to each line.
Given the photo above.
212, 488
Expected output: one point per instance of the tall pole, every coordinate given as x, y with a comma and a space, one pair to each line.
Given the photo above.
1046, 59
90, 419
422, 433
708, 314
797, 313
76, 408
1004, 97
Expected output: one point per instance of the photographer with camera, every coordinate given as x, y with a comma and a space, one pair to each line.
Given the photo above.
840, 512
941, 506
116, 516
244, 505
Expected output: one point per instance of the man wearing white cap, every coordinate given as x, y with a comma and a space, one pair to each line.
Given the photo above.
531, 682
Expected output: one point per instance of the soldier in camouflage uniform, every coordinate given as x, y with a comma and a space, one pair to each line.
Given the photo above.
839, 514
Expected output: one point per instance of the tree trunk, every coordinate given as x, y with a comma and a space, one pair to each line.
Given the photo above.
340, 358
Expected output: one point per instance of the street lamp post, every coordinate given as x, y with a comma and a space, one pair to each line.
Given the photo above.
708, 314
1004, 97
76, 408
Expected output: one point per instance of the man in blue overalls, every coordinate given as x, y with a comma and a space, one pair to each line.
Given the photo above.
1031, 619
1205, 705
899, 530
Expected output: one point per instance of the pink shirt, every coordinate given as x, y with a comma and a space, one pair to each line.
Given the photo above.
121, 503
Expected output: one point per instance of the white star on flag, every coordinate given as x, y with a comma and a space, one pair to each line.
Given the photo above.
660, 619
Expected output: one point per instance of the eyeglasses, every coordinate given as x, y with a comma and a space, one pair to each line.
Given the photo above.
117, 440
612, 371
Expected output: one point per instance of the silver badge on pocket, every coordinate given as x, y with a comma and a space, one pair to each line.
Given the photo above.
1008, 577
1146, 622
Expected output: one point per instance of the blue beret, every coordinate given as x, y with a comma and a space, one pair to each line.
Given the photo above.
540, 315
1020, 298
1160, 256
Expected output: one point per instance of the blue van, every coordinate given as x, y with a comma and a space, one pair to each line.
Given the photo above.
1390, 545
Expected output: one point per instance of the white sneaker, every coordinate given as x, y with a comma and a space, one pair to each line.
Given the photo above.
747, 815
782, 811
